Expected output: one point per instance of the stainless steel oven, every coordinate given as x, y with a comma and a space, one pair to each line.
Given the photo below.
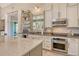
59, 44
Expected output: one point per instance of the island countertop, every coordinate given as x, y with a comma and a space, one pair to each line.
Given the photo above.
18, 46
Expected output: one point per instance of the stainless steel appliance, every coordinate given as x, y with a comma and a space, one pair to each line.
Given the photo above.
59, 22
59, 44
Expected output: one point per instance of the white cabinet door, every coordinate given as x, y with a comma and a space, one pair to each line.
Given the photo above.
73, 45
55, 10
37, 51
62, 10
59, 10
48, 18
72, 16
47, 43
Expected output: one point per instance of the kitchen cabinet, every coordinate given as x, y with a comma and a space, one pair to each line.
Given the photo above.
62, 10
47, 43
48, 18
73, 46
37, 51
55, 11
72, 16
59, 10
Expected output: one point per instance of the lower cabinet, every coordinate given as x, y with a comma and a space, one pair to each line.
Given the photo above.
73, 46
37, 51
47, 43
26, 54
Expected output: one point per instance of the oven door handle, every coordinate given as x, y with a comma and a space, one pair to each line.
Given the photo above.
67, 45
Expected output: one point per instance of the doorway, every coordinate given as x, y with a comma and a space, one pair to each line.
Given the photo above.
13, 28
12, 24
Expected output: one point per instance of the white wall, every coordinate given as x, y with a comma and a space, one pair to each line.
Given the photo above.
22, 6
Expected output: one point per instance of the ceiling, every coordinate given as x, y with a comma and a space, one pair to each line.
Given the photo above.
4, 4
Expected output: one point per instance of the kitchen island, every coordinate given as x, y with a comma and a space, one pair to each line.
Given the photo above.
20, 46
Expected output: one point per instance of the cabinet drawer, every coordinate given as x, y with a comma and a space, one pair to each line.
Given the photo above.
47, 46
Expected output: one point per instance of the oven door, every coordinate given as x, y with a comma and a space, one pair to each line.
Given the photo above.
59, 45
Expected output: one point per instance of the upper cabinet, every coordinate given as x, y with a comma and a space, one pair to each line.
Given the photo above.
62, 10
72, 16
59, 10
55, 11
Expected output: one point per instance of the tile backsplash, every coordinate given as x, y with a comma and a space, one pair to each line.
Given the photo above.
60, 30
74, 30
65, 30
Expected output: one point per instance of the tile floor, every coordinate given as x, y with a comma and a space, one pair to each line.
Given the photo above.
53, 53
